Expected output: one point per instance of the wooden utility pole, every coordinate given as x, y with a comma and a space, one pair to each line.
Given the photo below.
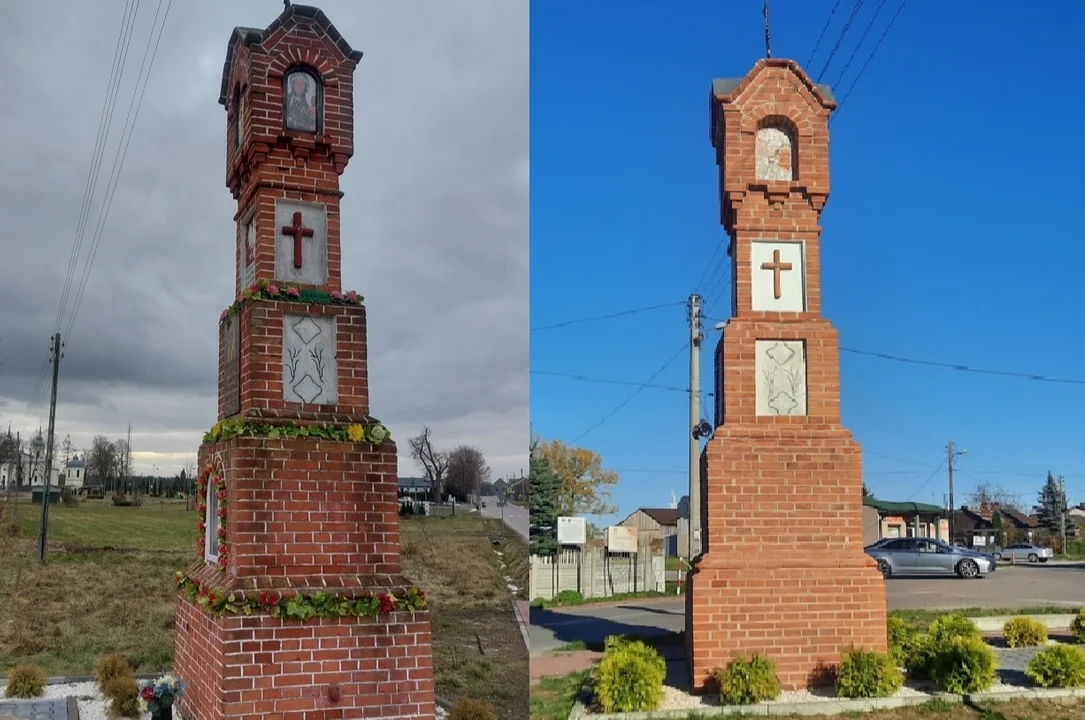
49, 449
1062, 515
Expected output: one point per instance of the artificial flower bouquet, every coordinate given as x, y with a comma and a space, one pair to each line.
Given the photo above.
157, 696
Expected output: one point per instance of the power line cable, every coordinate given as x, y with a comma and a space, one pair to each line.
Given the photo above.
859, 44
840, 38
608, 381
609, 316
870, 57
822, 35
636, 392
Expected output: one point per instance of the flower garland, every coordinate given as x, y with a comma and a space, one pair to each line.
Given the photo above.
209, 480
296, 606
266, 290
374, 434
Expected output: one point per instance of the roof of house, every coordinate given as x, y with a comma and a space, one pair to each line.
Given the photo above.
888, 506
413, 482
663, 516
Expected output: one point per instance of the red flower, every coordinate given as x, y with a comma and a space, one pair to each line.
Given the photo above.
222, 512
201, 525
147, 693
422, 594
386, 603
221, 494
268, 599
222, 532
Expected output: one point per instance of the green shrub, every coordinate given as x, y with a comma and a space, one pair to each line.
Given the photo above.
111, 666
25, 681
568, 597
1060, 666
943, 629
919, 657
863, 674
1024, 632
745, 682
628, 677
471, 709
1077, 626
964, 666
902, 640
123, 693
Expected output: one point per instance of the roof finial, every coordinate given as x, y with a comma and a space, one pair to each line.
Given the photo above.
286, 3
768, 40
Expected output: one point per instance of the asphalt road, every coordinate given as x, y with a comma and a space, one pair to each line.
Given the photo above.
515, 516
1023, 586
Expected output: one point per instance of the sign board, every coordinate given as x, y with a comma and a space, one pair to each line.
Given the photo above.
572, 531
621, 539
980, 540
231, 366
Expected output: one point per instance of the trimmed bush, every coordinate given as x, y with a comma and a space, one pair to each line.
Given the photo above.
1077, 626
628, 677
947, 627
25, 681
745, 682
902, 640
919, 657
471, 709
1059, 666
111, 666
964, 666
123, 693
1024, 632
863, 674
569, 597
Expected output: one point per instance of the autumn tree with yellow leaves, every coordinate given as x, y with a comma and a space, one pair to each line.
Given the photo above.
585, 484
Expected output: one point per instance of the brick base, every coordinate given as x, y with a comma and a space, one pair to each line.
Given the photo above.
783, 572
263, 667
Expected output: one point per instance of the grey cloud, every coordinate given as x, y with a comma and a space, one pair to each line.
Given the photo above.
434, 219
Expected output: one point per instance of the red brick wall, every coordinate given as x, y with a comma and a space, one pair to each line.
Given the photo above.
262, 363
783, 570
259, 666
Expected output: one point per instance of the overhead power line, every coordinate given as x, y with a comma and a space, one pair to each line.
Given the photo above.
862, 38
609, 316
866, 64
821, 37
840, 38
609, 381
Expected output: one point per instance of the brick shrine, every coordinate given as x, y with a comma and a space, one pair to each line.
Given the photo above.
296, 606
782, 571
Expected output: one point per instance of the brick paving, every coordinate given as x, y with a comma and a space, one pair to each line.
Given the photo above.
34, 709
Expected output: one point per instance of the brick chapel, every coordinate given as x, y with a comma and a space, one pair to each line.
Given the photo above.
782, 570
295, 606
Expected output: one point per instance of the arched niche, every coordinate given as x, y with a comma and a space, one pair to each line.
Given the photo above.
303, 100
776, 150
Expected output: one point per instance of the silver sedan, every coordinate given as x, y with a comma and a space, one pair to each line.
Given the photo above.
1024, 552
925, 556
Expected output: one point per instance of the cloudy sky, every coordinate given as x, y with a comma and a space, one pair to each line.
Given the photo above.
434, 219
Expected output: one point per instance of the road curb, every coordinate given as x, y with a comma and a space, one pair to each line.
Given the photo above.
1034, 694
996, 622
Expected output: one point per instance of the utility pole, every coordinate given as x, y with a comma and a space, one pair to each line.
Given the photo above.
1062, 515
128, 457
18, 477
49, 449
695, 337
950, 455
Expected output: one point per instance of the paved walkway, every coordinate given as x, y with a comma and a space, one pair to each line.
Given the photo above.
34, 709
562, 663
523, 616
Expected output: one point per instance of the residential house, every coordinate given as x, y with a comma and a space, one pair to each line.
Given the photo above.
884, 518
418, 489
974, 526
659, 525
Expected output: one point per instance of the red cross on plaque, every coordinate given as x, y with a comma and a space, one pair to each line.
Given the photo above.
299, 232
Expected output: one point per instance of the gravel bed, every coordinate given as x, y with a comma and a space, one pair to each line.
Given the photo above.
675, 699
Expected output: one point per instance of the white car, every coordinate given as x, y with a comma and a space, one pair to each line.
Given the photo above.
1024, 552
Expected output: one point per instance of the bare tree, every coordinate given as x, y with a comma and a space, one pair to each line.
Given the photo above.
467, 472
67, 449
102, 461
434, 463
124, 463
986, 493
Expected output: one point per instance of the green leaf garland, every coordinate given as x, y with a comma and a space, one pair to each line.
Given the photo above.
297, 607
373, 434
265, 290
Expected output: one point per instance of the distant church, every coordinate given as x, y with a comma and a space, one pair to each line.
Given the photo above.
31, 462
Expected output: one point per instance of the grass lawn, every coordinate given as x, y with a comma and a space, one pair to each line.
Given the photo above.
107, 586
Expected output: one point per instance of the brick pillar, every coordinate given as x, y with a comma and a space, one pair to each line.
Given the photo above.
295, 606
783, 570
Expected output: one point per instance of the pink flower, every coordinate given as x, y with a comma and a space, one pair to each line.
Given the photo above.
222, 512
336, 295
293, 292
147, 693
253, 288
272, 290
224, 314
221, 494
222, 532
352, 296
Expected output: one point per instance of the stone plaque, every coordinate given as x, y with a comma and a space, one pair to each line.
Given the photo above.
780, 367
775, 154
310, 374
231, 366
246, 252
778, 276
301, 243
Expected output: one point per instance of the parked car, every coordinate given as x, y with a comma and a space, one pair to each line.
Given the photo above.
926, 556
1022, 552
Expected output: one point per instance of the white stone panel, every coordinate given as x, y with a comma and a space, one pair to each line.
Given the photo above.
313, 254
778, 276
774, 150
780, 367
310, 373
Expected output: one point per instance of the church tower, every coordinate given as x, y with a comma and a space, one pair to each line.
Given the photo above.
783, 570
295, 606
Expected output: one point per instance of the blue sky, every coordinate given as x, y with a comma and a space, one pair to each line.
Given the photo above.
954, 231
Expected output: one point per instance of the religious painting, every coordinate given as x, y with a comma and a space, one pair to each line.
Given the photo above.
301, 101
231, 366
